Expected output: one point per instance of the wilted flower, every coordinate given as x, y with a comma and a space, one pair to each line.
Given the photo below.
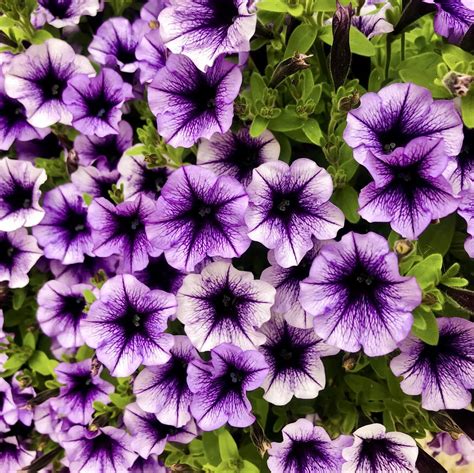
151, 54
444, 373
60, 13
13, 455
89, 180
357, 296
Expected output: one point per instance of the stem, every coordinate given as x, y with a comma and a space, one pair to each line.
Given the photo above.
322, 59
388, 57
402, 46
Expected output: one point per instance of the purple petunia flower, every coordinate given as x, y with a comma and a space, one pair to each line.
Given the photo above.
19, 252
80, 390
101, 451
38, 77
61, 308
13, 121
104, 153
357, 296
137, 177
20, 184
115, 42
466, 211
372, 21
152, 8
48, 147
453, 18
151, 54
224, 305
120, 230
163, 390
199, 215
126, 325
408, 190
444, 443
397, 114
220, 386
149, 465
374, 449
60, 13
288, 205
237, 154
8, 410
89, 180
47, 422
460, 171
150, 435
21, 395
96, 102
64, 232
205, 29
294, 359
13, 455
190, 104
305, 448
443, 374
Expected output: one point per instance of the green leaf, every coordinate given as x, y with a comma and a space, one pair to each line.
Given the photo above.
257, 86
227, 447
346, 199
16, 361
467, 108
452, 55
18, 299
120, 401
258, 126
278, 6
428, 271
211, 448
41, 36
437, 237
84, 353
285, 147
425, 326
40, 363
358, 42
313, 131
29, 340
455, 282
89, 296
301, 40
87, 198
288, 120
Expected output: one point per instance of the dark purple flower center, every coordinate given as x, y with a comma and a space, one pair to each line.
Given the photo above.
286, 354
303, 453
300, 272
19, 197
465, 158
98, 106
48, 147
133, 321
51, 84
226, 304
57, 8
160, 275
233, 378
124, 54
75, 222
285, 204
225, 13
449, 345
102, 444
129, 225
245, 156
7, 253
154, 179
377, 452
361, 282
74, 306
203, 97
393, 138
408, 179
11, 111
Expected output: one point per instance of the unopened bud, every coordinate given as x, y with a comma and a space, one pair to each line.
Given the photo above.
288, 67
444, 421
350, 360
403, 247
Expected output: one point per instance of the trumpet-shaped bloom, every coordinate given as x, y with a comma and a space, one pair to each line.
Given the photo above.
151, 54
89, 180
13, 455
60, 13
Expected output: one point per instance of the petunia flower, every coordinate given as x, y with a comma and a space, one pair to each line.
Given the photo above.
374, 449
104, 153
89, 180
47, 421
21, 396
115, 42
163, 390
224, 305
219, 386
61, 13
372, 21
48, 147
205, 29
13, 455
152, 8
305, 448
408, 188
61, 308
190, 104
147, 465
64, 232
357, 296
137, 177
158, 274
126, 324
102, 451
20, 184
288, 205
466, 211
453, 18
237, 154
96, 102
397, 114
80, 390
460, 171
8, 410
38, 77
149, 435
294, 359
120, 230
444, 443
13, 121
444, 373
198, 215
19, 252
151, 55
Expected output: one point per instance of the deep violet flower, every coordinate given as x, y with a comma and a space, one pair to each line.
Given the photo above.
20, 184
102, 451
453, 18
137, 177
163, 390
64, 232
89, 180
13, 455
305, 448
219, 386
294, 359
149, 435
96, 102
80, 390
288, 205
197, 215
397, 114
126, 325
120, 230
61, 308
8, 410
104, 153
224, 305
190, 104
408, 188
115, 42
466, 211
444, 443
286, 281
38, 77
372, 21
13, 122
151, 54
19, 252
460, 171
48, 147
205, 29
60, 13
376, 450
357, 296
237, 154
443, 374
